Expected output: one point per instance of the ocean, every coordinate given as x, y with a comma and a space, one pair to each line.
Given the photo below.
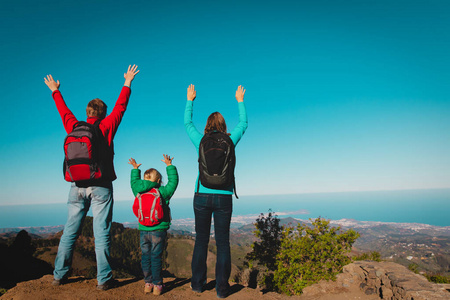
408, 206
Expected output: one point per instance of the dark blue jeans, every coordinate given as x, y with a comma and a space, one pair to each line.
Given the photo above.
220, 207
152, 247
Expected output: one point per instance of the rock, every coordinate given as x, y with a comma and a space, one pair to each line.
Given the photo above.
393, 281
370, 291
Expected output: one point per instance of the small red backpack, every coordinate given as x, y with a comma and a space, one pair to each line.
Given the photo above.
148, 207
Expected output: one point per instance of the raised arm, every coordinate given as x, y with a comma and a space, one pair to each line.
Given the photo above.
239, 130
168, 190
192, 132
110, 124
67, 116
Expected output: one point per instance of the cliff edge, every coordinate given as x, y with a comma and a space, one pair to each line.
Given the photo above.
360, 280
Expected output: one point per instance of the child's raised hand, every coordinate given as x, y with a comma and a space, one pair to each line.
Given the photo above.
132, 162
167, 160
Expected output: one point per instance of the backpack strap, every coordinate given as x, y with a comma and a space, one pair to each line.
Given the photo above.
140, 214
155, 194
234, 187
198, 184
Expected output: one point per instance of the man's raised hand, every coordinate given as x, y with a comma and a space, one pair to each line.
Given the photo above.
50, 82
129, 75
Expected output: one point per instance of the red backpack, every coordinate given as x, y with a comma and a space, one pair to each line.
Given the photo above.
82, 149
148, 207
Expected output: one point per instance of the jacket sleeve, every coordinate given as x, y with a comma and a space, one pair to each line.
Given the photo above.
139, 185
168, 190
240, 128
67, 116
192, 132
110, 124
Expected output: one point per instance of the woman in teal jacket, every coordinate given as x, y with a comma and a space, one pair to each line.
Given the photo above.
215, 203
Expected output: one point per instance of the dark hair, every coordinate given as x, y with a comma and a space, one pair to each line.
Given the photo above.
216, 122
96, 108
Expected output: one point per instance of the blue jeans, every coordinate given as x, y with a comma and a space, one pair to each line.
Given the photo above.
220, 207
152, 247
80, 199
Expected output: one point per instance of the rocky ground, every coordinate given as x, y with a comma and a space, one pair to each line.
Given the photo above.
361, 280
176, 288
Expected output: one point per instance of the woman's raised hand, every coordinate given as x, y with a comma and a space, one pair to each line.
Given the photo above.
191, 93
240, 92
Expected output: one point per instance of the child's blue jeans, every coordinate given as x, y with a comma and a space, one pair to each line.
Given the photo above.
152, 247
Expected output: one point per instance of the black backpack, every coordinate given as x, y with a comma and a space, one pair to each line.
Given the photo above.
216, 161
86, 154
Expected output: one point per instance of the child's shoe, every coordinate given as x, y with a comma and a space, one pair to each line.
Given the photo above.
157, 290
148, 288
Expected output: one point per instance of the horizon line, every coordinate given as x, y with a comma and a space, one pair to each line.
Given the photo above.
256, 195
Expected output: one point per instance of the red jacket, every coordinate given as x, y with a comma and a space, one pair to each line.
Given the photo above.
108, 125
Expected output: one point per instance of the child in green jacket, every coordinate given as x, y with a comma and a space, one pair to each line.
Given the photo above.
153, 238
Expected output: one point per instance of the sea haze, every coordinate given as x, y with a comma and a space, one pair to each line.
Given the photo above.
409, 206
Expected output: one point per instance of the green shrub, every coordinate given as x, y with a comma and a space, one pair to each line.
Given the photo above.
262, 259
414, 267
268, 231
438, 278
374, 255
309, 254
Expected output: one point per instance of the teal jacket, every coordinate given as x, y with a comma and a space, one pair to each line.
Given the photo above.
195, 136
139, 185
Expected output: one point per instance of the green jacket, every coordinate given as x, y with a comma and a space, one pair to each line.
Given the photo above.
139, 185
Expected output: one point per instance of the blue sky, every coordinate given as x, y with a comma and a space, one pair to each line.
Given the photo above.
341, 95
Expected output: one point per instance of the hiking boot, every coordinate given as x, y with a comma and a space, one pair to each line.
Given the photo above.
148, 288
222, 293
107, 285
157, 290
57, 282
200, 290
221, 296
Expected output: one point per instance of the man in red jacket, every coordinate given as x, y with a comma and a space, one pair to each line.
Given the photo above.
97, 193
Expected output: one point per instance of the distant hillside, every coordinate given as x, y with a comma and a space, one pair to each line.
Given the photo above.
125, 252
43, 231
17, 261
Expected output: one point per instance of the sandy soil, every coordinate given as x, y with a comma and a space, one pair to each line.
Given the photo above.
175, 288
